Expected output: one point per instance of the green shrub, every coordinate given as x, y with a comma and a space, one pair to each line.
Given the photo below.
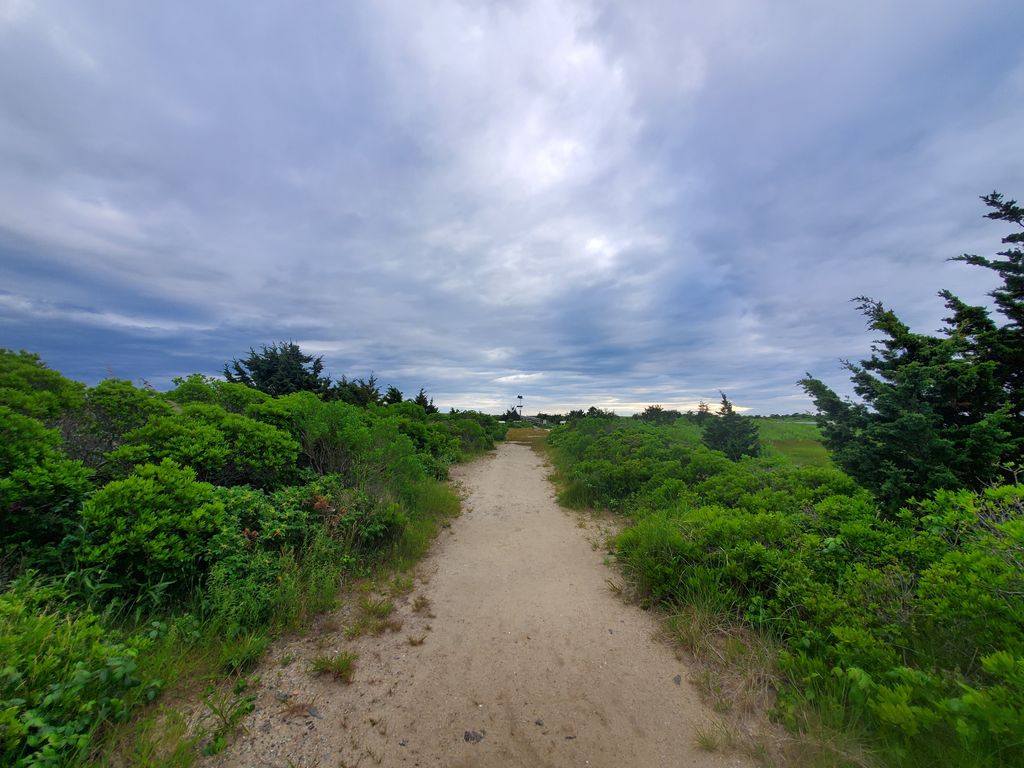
223, 448
63, 675
40, 489
28, 387
108, 412
196, 388
909, 625
152, 527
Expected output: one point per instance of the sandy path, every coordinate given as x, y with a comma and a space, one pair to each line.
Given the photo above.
529, 659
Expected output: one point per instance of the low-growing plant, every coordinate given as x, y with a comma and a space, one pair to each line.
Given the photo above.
241, 654
376, 608
340, 666
64, 675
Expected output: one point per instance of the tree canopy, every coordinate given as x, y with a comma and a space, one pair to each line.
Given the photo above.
731, 434
279, 369
936, 411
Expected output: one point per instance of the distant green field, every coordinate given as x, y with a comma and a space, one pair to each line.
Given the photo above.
799, 442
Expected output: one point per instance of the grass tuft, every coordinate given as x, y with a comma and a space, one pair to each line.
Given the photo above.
339, 666
377, 609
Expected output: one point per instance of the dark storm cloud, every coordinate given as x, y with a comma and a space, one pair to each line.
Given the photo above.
582, 202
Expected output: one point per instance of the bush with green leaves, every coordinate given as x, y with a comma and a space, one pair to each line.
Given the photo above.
197, 388
910, 625
41, 489
223, 448
64, 674
153, 527
108, 412
331, 435
29, 387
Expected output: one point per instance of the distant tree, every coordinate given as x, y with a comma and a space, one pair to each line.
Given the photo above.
279, 369
393, 396
655, 414
935, 411
425, 403
360, 392
731, 433
703, 413
512, 414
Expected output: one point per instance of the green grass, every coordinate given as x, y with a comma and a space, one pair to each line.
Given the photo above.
341, 666
798, 442
376, 609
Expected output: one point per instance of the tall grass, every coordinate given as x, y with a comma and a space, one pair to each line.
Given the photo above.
799, 443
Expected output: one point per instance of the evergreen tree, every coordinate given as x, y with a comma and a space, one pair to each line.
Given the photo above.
422, 401
360, 392
731, 434
392, 396
279, 369
935, 411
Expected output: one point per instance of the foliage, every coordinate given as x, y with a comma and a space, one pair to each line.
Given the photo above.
63, 675
655, 414
278, 369
427, 404
359, 392
910, 625
223, 448
230, 396
28, 387
40, 489
106, 414
330, 435
230, 515
731, 434
935, 412
153, 527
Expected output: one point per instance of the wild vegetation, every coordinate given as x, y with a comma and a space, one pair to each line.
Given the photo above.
150, 537
892, 581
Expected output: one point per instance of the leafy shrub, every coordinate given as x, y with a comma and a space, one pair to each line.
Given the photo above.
223, 448
28, 387
196, 388
40, 489
63, 675
106, 414
330, 435
910, 624
152, 527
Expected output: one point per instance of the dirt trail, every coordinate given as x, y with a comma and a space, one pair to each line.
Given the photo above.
528, 659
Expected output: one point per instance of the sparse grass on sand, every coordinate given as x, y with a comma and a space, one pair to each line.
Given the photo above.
340, 666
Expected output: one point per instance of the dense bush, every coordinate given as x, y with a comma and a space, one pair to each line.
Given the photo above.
63, 674
197, 388
28, 387
227, 515
107, 412
223, 448
153, 527
40, 489
910, 624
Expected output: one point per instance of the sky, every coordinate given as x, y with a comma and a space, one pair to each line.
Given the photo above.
585, 203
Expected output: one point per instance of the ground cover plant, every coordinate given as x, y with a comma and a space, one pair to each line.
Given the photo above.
148, 537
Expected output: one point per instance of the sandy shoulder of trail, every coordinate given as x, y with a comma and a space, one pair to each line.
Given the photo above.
522, 656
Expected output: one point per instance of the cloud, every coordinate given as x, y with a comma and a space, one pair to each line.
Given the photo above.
582, 202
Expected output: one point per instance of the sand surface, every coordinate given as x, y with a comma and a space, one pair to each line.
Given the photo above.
528, 658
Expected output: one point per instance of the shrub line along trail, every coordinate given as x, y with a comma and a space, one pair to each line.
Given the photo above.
528, 657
